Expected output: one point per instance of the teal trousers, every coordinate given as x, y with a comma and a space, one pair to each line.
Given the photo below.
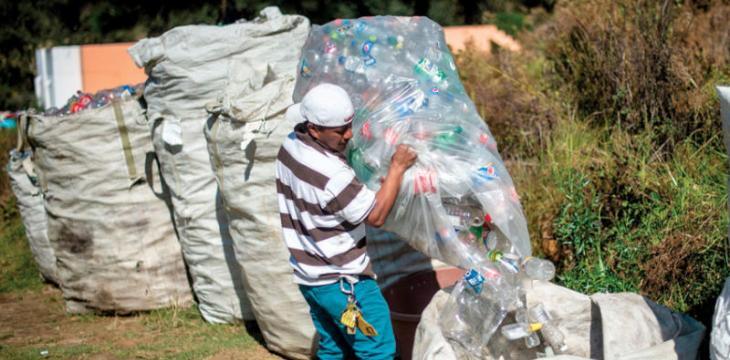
326, 305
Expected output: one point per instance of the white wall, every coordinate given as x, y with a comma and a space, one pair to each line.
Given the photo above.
58, 75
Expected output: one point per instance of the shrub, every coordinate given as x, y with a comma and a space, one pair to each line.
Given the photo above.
643, 64
615, 216
509, 98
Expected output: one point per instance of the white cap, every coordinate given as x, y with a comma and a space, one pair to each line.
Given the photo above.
325, 105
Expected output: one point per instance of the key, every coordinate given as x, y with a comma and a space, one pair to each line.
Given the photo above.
365, 327
349, 317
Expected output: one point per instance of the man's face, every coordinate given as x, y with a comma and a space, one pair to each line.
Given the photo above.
333, 138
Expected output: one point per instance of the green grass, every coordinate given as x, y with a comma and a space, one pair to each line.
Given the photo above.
510, 22
198, 339
18, 270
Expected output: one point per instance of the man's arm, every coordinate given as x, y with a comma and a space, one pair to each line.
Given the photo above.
402, 159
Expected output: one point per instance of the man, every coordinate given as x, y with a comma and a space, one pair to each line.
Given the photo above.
324, 209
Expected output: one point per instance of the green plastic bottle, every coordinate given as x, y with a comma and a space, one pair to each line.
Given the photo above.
356, 161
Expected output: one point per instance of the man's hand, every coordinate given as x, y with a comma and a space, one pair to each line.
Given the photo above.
403, 158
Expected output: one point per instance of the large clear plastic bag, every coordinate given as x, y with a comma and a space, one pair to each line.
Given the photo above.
403, 80
457, 203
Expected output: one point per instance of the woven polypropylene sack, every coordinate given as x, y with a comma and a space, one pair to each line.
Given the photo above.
30, 203
108, 222
602, 326
188, 68
243, 152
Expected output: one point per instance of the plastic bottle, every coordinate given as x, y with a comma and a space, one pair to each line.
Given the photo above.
521, 316
490, 241
550, 332
539, 269
447, 140
363, 171
462, 212
519, 330
510, 261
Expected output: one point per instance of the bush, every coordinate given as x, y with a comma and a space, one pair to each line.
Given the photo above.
615, 216
626, 189
643, 64
513, 104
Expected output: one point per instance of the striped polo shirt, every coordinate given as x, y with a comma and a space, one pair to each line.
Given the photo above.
322, 207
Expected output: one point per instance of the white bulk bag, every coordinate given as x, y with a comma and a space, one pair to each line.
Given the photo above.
110, 228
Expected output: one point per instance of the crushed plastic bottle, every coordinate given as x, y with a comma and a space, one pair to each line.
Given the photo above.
470, 318
510, 262
534, 268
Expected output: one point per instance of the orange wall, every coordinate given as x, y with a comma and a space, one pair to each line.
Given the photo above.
480, 35
106, 66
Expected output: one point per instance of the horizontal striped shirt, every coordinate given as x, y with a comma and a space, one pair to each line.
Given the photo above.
322, 207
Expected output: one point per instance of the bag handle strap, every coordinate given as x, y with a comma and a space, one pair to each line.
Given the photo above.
126, 144
22, 141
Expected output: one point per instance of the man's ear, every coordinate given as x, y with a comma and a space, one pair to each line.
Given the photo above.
313, 131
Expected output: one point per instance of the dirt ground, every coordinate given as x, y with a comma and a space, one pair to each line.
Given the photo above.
33, 324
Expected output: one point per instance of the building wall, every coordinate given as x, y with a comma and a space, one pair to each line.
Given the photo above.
64, 70
481, 36
108, 65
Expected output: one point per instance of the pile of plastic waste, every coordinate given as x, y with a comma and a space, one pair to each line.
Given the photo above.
82, 101
457, 203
